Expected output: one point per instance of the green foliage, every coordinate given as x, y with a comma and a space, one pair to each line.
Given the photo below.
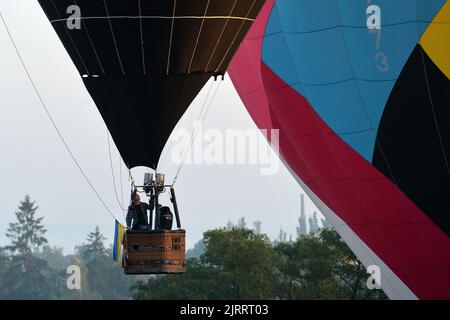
305, 270
350, 272
197, 283
227, 264
4, 265
54, 256
322, 266
28, 277
245, 259
196, 251
34, 270
104, 279
239, 264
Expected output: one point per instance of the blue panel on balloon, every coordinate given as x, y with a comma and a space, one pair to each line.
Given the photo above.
306, 15
324, 49
284, 63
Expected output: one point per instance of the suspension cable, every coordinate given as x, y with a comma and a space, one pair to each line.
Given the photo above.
72, 156
195, 132
112, 172
191, 120
121, 179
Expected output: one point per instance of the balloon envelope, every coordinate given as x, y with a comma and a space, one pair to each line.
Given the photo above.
143, 62
360, 92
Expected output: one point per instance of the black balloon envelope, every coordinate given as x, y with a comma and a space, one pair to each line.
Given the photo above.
144, 62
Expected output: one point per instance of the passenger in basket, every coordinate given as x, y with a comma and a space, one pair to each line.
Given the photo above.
137, 218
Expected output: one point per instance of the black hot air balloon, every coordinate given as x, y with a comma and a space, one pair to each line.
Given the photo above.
143, 62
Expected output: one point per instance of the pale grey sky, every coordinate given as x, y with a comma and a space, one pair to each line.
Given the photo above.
34, 161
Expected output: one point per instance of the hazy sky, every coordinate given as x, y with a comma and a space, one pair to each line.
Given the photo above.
34, 161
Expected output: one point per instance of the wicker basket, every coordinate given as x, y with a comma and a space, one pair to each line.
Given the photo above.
155, 252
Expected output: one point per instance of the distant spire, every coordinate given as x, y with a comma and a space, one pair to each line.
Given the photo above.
257, 224
302, 227
326, 224
242, 224
314, 224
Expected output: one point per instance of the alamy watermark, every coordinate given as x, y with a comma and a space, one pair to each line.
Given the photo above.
73, 281
226, 147
374, 279
74, 20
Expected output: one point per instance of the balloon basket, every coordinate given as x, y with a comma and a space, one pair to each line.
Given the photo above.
155, 252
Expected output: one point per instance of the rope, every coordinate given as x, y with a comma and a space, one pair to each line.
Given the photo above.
121, 180
194, 135
112, 172
72, 156
191, 118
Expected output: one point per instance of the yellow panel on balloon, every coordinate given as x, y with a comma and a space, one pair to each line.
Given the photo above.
436, 40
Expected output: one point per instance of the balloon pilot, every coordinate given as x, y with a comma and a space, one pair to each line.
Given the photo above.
137, 218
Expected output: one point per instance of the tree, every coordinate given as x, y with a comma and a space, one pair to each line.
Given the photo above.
95, 247
237, 250
197, 251
54, 256
27, 277
4, 263
105, 279
322, 266
94, 256
306, 270
348, 269
28, 232
200, 282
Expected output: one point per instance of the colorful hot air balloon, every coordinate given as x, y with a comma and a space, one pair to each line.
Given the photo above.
143, 62
360, 93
